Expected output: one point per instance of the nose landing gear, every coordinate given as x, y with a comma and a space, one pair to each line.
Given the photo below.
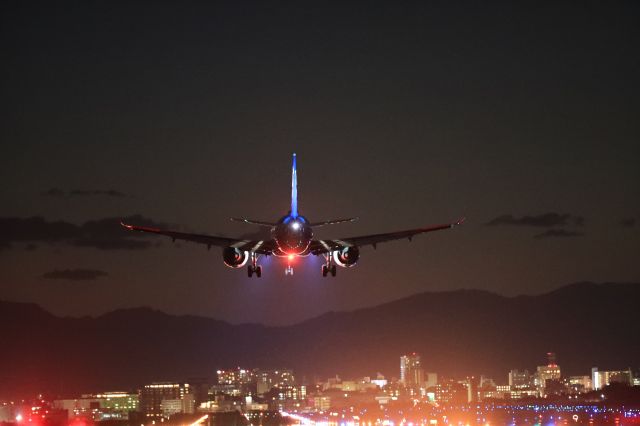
254, 267
288, 270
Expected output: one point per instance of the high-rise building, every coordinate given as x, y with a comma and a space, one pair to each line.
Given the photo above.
153, 395
238, 376
411, 373
544, 373
269, 379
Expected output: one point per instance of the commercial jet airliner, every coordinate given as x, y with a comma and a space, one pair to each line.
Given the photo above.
292, 237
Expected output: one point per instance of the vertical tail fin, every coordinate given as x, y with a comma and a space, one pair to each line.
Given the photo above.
294, 189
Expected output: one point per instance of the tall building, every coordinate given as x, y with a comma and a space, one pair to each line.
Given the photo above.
600, 379
519, 379
235, 382
153, 395
269, 379
238, 376
545, 373
411, 373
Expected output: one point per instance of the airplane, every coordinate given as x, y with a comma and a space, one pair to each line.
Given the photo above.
292, 237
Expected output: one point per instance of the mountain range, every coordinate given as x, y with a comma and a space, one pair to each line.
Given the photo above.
456, 333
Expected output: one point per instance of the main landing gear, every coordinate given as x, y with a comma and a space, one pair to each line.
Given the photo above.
254, 267
329, 266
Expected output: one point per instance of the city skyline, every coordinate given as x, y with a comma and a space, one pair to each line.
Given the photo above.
240, 390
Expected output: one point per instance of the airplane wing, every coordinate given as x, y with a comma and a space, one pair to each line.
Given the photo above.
332, 222
325, 246
261, 247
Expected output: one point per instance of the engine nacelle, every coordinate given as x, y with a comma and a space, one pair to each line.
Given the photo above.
234, 258
347, 257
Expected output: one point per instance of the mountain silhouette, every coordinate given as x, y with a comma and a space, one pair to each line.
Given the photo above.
457, 333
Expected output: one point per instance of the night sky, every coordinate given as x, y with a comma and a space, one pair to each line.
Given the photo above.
522, 116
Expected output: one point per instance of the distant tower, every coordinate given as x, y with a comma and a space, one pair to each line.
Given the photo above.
544, 373
411, 373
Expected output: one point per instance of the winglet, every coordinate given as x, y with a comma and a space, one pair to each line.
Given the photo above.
459, 221
294, 188
124, 225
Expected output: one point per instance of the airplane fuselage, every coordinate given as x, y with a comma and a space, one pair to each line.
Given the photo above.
293, 234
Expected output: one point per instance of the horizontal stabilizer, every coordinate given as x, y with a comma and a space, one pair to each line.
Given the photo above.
252, 222
334, 221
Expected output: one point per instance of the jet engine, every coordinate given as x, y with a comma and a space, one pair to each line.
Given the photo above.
234, 258
347, 257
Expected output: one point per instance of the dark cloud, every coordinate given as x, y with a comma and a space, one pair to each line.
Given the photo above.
74, 274
628, 222
104, 234
108, 234
54, 192
57, 192
107, 192
558, 233
546, 220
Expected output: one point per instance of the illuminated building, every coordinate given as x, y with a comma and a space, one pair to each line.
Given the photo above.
99, 407
472, 388
432, 380
152, 396
451, 392
268, 379
411, 373
234, 377
118, 401
523, 393
601, 379
380, 381
546, 373
579, 384
321, 403
519, 379
183, 405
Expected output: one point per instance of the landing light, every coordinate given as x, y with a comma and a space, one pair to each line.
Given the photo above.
295, 225
291, 257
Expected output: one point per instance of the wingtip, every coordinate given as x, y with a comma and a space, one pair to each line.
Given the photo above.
460, 221
124, 225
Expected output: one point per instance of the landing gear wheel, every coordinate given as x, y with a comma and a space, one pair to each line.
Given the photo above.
258, 271
325, 270
333, 270
250, 271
